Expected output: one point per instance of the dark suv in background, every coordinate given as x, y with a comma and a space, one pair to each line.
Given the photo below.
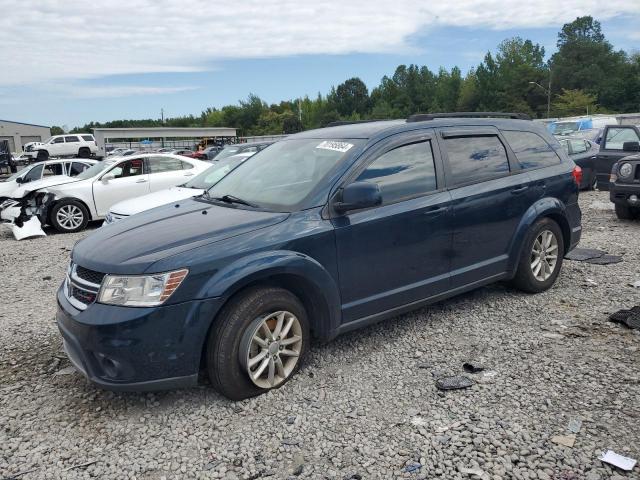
321, 233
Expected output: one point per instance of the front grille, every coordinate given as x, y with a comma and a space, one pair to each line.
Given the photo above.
84, 296
89, 275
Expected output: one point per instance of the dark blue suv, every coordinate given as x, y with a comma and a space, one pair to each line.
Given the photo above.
326, 231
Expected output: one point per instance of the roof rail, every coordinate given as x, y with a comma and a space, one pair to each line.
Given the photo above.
422, 117
339, 123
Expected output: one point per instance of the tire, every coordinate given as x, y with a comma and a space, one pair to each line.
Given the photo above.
594, 181
624, 212
75, 213
42, 156
84, 152
526, 278
231, 340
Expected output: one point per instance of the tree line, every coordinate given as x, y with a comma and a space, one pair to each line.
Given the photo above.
586, 75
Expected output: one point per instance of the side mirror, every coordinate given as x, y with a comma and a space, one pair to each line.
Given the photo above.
105, 179
20, 180
631, 147
359, 195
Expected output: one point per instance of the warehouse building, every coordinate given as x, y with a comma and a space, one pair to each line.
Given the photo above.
17, 134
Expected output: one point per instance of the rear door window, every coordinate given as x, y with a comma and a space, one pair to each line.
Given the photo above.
53, 169
88, 138
578, 146
616, 137
475, 158
130, 168
71, 139
532, 151
77, 168
164, 164
404, 172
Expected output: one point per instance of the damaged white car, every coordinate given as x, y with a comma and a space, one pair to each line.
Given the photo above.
70, 204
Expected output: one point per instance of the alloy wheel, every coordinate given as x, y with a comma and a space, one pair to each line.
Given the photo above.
69, 217
544, 255
271, 348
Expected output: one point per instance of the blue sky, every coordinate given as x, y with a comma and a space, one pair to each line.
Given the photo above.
112, 74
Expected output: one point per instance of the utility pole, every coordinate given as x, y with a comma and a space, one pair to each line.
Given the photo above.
299, 111
162, 116
548, 92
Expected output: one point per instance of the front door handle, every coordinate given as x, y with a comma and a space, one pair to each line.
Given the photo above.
515, 191
142, 180
188, 174
434, 210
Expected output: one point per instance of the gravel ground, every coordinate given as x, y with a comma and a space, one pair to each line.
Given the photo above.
365, 405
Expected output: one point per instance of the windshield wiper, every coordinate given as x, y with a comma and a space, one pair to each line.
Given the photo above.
233, 199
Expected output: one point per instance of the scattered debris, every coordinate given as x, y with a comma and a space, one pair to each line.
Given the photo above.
472, 366
490, 373
474, 471
290, 442
46, 277
611, 457
26, 215
413, 467
629, 318
552, 335
454, 383
212, 465
419, 422
65, 371
565, 440
635, 284
605, 260
355, 476
588, 282
19, 474
291, 420
80, 465
583, 254
575, 424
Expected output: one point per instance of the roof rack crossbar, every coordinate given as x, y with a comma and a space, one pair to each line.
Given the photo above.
423, 117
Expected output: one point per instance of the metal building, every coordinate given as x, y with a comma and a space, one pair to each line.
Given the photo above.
18, 133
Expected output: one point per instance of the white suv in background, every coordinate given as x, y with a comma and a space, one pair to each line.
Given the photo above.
81, 145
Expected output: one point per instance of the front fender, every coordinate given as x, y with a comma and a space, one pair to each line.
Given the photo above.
544, 207
260, 266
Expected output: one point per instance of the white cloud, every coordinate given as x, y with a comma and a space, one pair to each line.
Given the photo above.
44, 41
113, 91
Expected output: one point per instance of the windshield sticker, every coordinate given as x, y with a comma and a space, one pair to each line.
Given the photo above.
336, 146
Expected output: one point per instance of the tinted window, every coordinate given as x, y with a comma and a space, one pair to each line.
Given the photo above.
617, 136
403, 172
128, 169
531, 150
34, 174
164, 164
578, 146
58, 140
71, 139
77, 168
53, 169
88, 138
476, 158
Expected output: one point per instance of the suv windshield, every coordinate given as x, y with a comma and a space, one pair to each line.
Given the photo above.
280, 177
212, 175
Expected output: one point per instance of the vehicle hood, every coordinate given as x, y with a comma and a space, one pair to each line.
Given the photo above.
155, 199
6, 188
134, 244
54, 181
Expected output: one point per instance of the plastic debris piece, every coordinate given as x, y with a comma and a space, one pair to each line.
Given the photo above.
414, 467
575, 424
565, 440
65, 371
635, 284
453, 383
611, 457
490, 373
474, 471
582, 254
605, 260
629, 318
472, 366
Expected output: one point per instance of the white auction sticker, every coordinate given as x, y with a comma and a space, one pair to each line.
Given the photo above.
336, 146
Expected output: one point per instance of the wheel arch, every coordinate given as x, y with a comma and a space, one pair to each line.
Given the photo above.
59, 200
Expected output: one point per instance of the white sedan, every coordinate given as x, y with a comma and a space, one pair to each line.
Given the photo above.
43, 170
196, 186
90, 195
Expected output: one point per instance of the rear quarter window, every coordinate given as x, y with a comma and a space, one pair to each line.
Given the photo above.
88, 138
476, 158
532, 151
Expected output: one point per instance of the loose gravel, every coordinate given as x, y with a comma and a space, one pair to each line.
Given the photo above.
363, 406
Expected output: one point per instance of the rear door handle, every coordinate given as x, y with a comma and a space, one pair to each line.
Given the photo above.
188, 174
434, 210
141, 181
515, 191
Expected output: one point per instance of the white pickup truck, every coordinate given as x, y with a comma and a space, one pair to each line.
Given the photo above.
81, 145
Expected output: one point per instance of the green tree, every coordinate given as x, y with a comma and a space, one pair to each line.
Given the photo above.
351, 97
56, 130
574, 102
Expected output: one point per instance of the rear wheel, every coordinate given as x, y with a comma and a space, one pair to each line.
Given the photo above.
69, 216
42, 156
84, 152
541, 258
624, 212
257, 342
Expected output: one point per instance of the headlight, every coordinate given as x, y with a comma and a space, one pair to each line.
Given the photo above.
140, 290
626, 169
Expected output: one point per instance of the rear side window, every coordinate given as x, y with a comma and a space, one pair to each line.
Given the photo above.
53, 169
532, 151
88, 138
403, 172
71, 139
476, 158
164, 164
617, 136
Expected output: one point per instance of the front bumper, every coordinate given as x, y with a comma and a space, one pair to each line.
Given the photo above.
136, 349
620, 192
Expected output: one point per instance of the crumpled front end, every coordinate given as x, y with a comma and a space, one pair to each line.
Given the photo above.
27, 215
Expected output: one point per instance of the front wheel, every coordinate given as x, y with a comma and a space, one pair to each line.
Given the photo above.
541, 258
257, 342
69, 216
42, 156
624, 212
